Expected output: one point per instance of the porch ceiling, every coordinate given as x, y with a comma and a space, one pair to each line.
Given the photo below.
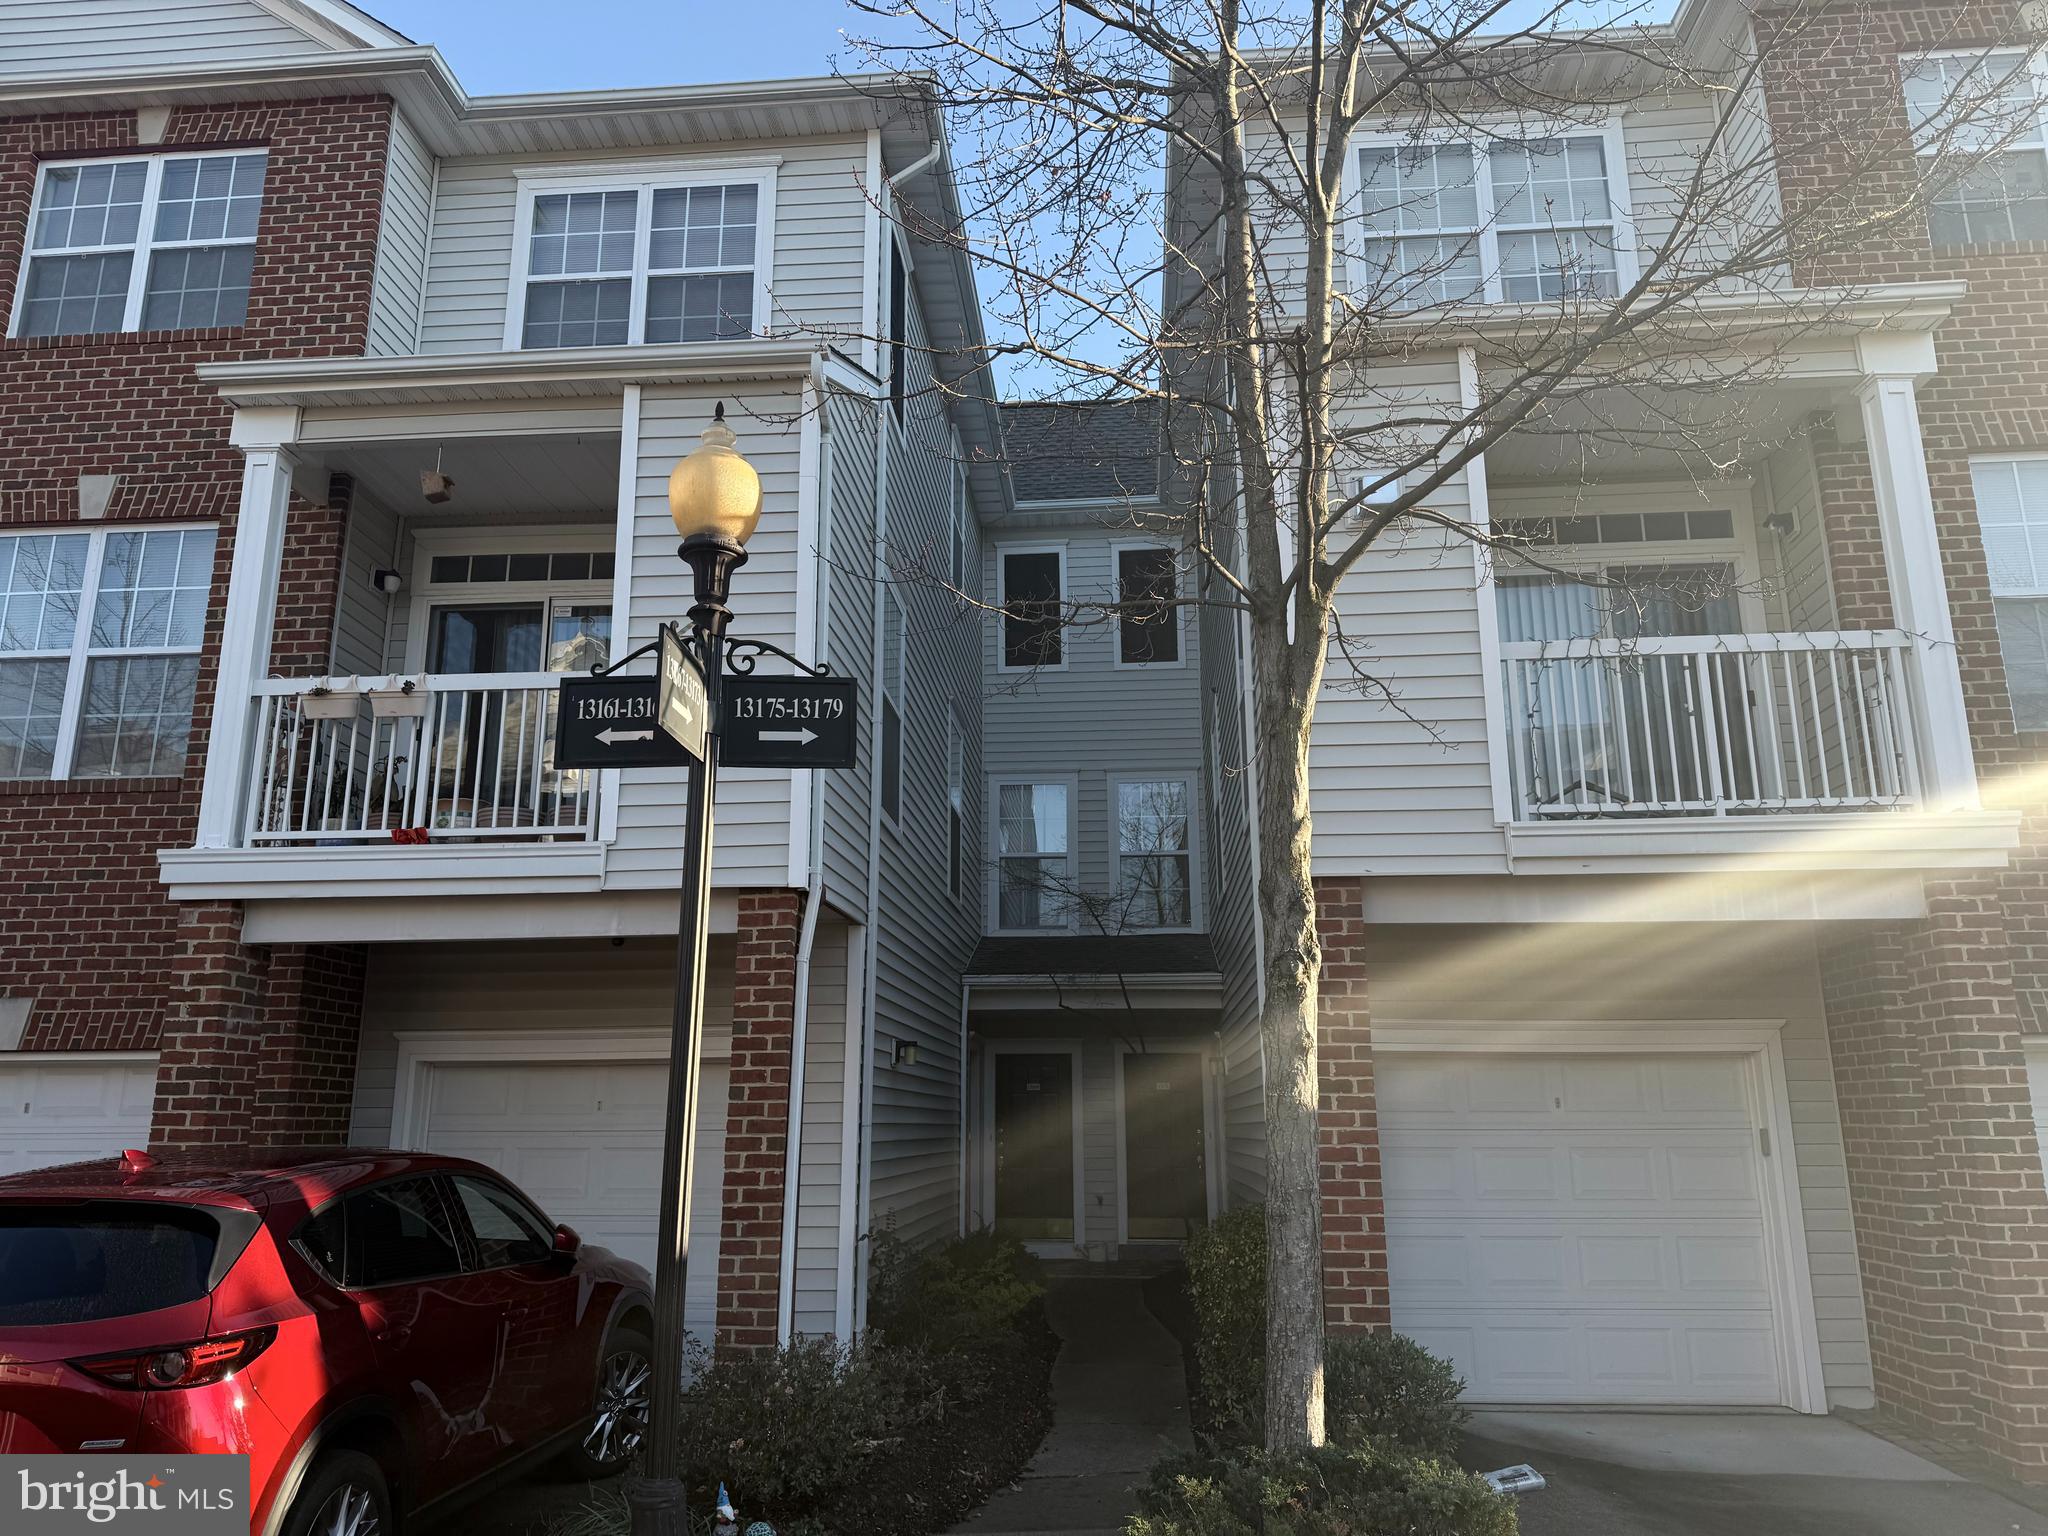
496, 478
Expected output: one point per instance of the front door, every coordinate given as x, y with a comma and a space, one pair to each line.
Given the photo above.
1166, 1168
1034, 1152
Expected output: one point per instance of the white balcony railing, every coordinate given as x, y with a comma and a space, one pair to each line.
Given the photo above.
458, 759
1709, 725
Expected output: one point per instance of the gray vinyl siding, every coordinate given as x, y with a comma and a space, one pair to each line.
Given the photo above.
848, 538
824, 1115
1664, 975
924, 934
817, 279
753, 831
1398, 767
1801, 590
1091, 719
401, 271
363, 616
52, 39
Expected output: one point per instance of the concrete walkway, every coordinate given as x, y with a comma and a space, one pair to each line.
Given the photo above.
1119, 1403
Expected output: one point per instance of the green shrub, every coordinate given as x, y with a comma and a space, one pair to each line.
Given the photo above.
972, 1293
1335, 1491
1227, 1286
1385, 1387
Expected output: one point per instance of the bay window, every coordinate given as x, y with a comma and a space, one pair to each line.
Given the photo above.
99, 650
676, 257
1537, 220
161, 242
1977, 127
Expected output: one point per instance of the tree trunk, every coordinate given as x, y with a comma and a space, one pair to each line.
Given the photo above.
1293, 959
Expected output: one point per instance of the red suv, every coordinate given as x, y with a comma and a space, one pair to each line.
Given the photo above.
379, 1332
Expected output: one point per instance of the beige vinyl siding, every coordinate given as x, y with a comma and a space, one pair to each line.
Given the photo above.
924, 934
824, 1113
1801, 589
1657, 975
1089, 719
54, 39
567, 984
816, 283
400, 275
363, 616
752, 844
848, 539
1398, 767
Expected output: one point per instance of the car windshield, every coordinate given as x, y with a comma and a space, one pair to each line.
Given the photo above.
85, 1263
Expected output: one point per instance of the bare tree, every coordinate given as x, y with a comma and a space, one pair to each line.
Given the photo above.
1257, 215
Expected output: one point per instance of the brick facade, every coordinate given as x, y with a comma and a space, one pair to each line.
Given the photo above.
757, 1118
1354, 1210
1926, 1018
85, 930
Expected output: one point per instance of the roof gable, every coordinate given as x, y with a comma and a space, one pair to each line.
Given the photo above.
51, 39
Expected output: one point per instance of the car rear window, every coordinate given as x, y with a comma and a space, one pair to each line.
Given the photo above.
81, 1264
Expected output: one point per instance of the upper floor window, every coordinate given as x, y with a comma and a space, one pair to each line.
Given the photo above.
899, 329
1515, 220
681, 257
1148, 623
1154, 853
158, 243
1034, 880
892, 706
1983, 110
2012, 510
1034, 585
99, 650
956, 801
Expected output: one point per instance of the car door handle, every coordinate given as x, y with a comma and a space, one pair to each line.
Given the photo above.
393, 1334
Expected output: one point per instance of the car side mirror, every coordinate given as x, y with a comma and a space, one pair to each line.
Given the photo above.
566, 1240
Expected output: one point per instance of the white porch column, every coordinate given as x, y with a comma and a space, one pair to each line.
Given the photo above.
246, 625
1892, 363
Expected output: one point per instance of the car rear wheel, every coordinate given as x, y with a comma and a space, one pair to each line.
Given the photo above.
618, 1419
345, 1495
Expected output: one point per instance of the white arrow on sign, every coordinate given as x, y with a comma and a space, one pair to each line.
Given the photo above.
612, 738
802, 738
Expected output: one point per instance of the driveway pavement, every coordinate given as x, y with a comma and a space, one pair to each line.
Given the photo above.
1712, 1474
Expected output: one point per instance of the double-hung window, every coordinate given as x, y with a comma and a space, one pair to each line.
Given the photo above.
1034, 877
2012, 511
1154, 853
956, 801
99, 650
605, 263
163, 242
1523, 220
1977, 127
1034, 586
1148, 614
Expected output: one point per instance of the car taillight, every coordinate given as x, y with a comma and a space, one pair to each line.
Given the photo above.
181, 1365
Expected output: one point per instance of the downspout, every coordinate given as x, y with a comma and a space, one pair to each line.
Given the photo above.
814, 888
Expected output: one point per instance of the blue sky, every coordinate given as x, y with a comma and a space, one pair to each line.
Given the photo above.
523, 45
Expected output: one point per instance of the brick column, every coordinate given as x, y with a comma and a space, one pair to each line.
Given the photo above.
1354, 1212
1945, 1180
757, 1118
259, 1043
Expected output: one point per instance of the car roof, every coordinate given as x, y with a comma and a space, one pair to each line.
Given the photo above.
250, 1178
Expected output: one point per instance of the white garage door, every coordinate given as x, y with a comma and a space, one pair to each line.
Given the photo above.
1580, 1229
584, 1140
57, 1111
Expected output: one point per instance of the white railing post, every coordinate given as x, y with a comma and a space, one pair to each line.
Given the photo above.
247, 619
1912, 558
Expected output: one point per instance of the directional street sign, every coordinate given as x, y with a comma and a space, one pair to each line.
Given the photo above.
789, 722
681, 706
608, 722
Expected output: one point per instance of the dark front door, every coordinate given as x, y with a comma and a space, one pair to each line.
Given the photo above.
1034, 1133
1165, 1150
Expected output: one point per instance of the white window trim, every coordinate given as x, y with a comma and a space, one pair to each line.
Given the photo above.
1359, 270
1187, 782
956, 796
642, 178
63, 755
1003, 553
898, 345
1178, 616
996, 782
428, 594
957, 515
143, 247
2037, 594
2037, 67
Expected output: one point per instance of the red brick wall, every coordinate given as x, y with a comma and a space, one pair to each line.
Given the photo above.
84, 928
757, 1118
1354, 1211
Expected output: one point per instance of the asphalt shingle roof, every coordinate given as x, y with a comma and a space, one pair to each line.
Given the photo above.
1082, 452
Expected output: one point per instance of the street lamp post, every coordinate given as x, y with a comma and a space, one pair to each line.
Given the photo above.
714, 495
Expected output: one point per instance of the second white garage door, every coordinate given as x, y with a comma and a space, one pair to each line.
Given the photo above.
583, 1138
1580, 1229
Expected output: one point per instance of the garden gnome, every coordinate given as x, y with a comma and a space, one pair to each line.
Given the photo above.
728, 1521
